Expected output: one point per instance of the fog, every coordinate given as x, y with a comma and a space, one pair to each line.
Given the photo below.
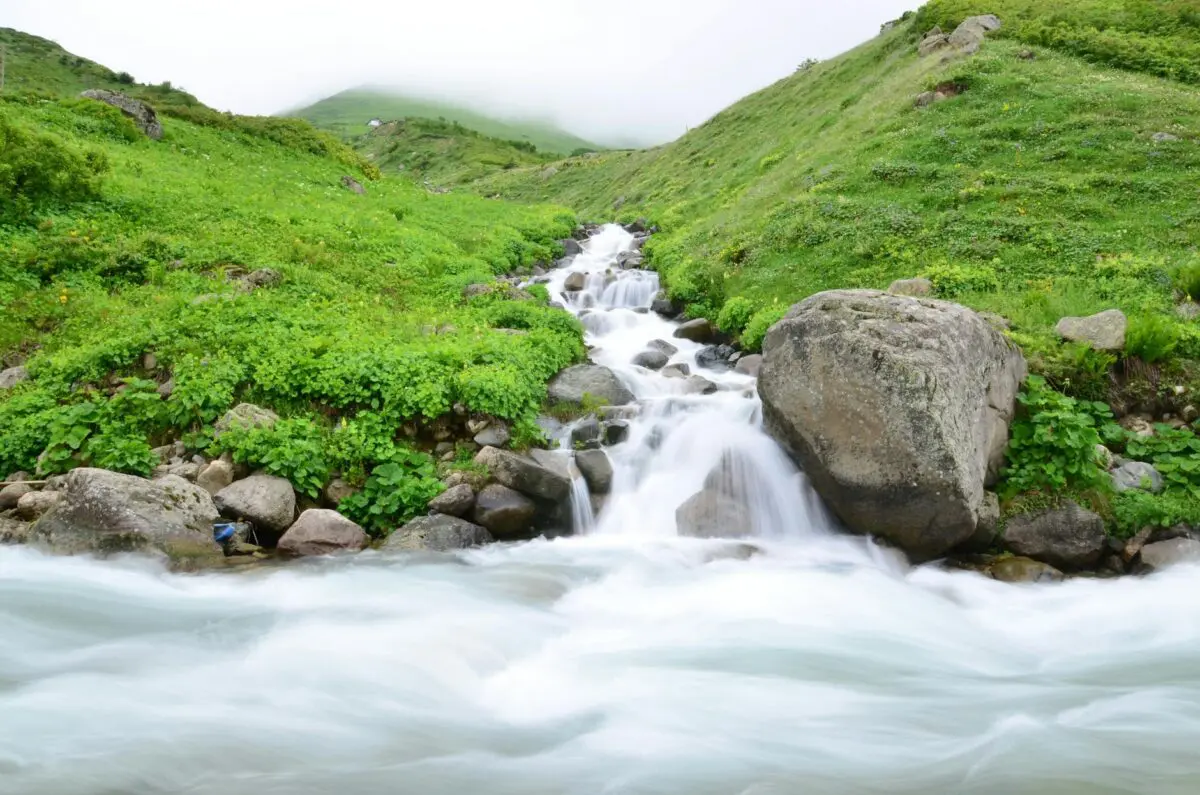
615, 71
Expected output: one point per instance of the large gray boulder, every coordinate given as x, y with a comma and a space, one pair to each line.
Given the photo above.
968, 36
596, 469
1103, 332
142, 114
267, 501
897, 408
102, 513
1137, 475
710, 514
525, 475
13, 376
590, 381
1162, 554
319, 531
437, 534
455, 501
1066, 536
508, 514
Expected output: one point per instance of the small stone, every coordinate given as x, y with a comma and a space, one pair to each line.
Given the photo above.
615, 432
495, 435
699, 385
319, 531
13, 376
1024, 570
680, 370
1136, 475
1162, 554
575, 282
353, 185
506, 513
916, 288
586, 433
698, 330
455, 501
216, 476
663, 347
437, 534
1103, 332
1137, 424
1163, 137
651, 360
11, 494
596, 469
1066, 536
1189, 414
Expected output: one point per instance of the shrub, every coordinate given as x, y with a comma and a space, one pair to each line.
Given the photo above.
736, 314
396, 491
109, 434
950, 281
1174, 453
1187, 280
1151, 338
1053, 445
39, 169
292, 448
1135, 509
759, 325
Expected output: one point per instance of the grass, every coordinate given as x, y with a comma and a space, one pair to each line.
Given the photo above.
443, 153
347, 114
362, 341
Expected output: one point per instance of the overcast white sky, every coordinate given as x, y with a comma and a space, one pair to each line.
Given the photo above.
606, 69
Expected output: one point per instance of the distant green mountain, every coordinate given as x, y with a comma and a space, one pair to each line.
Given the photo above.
349, 112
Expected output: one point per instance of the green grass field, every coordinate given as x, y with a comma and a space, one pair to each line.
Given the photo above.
347, 115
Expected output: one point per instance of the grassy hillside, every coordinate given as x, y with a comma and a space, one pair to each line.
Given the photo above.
442, 152
1043, 187
347, 114
123, 277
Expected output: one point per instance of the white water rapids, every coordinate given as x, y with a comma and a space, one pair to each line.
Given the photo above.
625, 661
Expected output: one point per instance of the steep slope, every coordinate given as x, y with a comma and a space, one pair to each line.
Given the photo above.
442, 152
347, 114
148, 286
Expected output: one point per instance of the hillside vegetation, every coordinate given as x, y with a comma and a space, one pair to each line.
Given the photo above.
347, 115
149, 286
442, 152
1054, 180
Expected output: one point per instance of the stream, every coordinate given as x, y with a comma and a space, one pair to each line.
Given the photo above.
625, 659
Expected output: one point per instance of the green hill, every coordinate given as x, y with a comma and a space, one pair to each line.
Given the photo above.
443, 152
1055, 177
347, 114
149, 286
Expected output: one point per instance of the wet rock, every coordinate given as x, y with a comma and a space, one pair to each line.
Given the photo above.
1135, 475
495, 434
216, 476
13, 531
142, 114
715, 357
575, 282
1024, 570
698, 330
1162, 554
596, 469
11, 494
897, 409
709, 514
245, 416
987, 527
103, 513
13, 376
437, 534
1066, 536
616, 432
589, 382
265, 500
664, 306
319, 531
651, 360
571, 247
676, 371
586, 433
663, 347
35, 504
749, 365
454, 501
524, 475
916, 288
699, 385
557, 461
1103, 332
506, 513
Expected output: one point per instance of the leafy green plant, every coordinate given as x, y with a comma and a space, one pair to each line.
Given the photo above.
950, 281
758, 326
736, 314
110, 434
1187, 280
1135, 509
396, 491
1151, 338
39, 169
291, 448
1053, 445
1174, 453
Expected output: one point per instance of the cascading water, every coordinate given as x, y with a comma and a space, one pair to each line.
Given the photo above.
627, 660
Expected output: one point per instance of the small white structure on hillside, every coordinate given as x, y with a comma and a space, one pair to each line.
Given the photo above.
374, 122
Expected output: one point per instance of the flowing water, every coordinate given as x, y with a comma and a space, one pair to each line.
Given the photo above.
624, 660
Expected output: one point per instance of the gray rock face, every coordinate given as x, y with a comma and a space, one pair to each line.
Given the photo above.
319, 531
663, 347
1135, 475
267, 501
245, 416
651, 360
353, 185
1163, 137
1104, 331
508, 514
1024, 570
715, 357
337, 490
103, 513
676, 371
13, 531
36, 504
582, 381
575, 282
897, 408
968, 36
216, 476
699, 385
571, 247
524, 475
698, 330
749, 365
437, 534
664, 306
1067, 536
932, 43
13, 376
710, 514
11, 494
916, 288
455, 501
496, 434
586, 434
616, 431
262, 277
142, 114
1168, 553
596, 469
